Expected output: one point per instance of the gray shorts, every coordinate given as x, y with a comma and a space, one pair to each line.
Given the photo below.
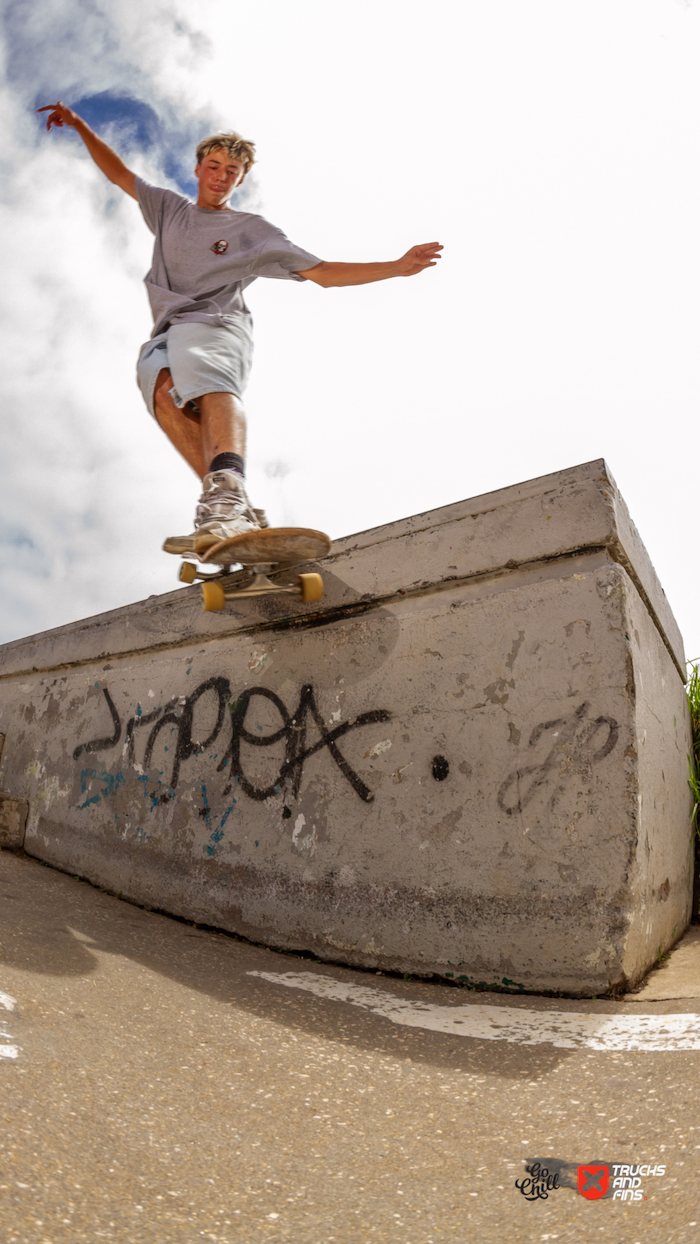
201, 358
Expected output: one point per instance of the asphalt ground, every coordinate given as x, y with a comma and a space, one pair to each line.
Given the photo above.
161, 1093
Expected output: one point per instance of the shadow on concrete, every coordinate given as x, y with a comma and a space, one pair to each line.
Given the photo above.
55, 925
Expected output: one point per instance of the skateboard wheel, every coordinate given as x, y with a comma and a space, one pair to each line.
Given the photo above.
188, 572
213, 596
311, 586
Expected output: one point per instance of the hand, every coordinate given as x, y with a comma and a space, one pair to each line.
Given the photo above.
418, 258
60, 115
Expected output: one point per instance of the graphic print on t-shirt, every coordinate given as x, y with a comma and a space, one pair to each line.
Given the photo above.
220, 247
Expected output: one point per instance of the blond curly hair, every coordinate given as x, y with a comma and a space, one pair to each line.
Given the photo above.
236, 147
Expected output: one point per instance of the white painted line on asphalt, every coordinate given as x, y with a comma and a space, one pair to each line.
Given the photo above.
569, 1030
7, 1051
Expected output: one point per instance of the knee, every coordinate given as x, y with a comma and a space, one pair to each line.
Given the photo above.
220, 402
163, 404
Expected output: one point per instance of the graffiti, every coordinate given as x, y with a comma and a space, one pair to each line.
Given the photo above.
440, 768
110, 782
101, 745
293, 731
580, 734
178, 714
181, 716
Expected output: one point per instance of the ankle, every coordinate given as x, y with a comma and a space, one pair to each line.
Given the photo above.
228, 462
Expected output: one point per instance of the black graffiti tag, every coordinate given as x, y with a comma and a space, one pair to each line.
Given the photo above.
293, 731
179, 715
182, 718
101, 745
516, 792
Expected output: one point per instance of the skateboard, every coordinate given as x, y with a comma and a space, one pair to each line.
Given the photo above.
261, 553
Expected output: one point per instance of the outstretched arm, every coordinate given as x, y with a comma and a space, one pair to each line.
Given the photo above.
414, 261
105, 159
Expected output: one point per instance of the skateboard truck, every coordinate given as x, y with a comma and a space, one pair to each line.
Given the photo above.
214, 595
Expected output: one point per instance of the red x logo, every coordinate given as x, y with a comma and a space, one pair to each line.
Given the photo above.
593, 1181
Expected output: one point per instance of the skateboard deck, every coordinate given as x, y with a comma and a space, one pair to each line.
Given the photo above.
269, 545
260, 552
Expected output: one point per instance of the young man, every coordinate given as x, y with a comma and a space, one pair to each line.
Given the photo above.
193, 371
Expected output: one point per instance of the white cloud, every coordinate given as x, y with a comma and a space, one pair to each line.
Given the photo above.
89, 484
550, 147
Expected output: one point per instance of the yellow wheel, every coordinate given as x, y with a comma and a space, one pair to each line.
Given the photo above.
213, 596
311, 586
187, 572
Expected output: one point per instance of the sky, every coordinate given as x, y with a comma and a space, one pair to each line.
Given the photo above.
550, 145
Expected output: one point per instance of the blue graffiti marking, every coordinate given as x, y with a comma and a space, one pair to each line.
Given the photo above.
215, 838
110, 783
155, 797
205, 810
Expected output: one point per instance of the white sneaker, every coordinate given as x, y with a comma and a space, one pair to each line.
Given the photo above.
223, 510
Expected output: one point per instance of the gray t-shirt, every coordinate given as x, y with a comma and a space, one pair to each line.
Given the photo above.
203, 260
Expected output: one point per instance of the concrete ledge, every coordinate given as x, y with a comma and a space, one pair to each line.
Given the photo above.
554, 516
469, 759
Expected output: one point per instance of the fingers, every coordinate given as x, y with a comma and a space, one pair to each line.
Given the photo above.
55, 117
421, 257
424, 255
425, 261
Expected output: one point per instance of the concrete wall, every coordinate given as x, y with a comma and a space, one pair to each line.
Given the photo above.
468, 759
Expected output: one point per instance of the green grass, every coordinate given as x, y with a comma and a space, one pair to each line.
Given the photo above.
693, 693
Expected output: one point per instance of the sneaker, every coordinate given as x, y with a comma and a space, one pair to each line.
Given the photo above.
223, 511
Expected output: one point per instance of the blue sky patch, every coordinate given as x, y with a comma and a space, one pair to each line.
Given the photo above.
138, 123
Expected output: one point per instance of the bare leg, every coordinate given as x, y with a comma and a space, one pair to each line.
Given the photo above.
223, 425
221, 428
182, 427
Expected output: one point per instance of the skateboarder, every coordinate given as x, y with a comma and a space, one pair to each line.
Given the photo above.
193, 370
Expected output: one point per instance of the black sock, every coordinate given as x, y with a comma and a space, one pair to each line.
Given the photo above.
228, 462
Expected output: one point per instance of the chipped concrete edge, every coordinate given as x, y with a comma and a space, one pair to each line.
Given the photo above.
13, 821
